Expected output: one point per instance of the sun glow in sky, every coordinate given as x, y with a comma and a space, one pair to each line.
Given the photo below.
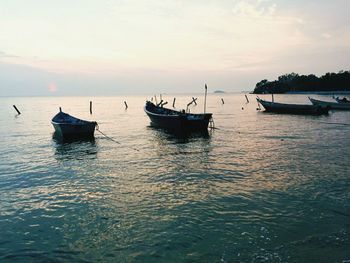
134, 46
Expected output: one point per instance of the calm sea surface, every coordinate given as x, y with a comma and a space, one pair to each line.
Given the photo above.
260, 188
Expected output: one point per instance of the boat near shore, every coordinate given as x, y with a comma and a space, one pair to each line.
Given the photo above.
301, 109
338, 105
67, 126
177, 121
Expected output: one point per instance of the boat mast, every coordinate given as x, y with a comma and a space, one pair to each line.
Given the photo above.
205, 98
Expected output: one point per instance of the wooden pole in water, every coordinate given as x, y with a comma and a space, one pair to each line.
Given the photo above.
246, 97
273, 99
205, 98
60, 109
222, 100
174, 102
126, 105
90, 107
17, 109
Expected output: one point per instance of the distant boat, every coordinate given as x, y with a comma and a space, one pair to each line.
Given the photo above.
343, 105
178, 121
68, 126
332, 105
343, 100
303, 109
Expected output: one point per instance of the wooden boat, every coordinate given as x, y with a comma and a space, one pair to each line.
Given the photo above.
303, 109
68, 126
178, 121
331, 105
343, 100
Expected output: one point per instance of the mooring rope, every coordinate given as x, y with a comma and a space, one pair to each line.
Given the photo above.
167, 159
110, 138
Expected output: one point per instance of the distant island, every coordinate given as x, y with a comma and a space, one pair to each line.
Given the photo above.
219, 91
293, 82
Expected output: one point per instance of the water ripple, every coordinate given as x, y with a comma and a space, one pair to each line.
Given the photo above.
261, 188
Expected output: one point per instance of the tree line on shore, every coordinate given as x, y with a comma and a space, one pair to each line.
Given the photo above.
305, 83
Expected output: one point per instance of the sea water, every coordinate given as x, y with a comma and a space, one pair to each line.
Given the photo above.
260, 188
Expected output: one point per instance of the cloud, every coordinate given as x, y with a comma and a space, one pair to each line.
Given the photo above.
256, 9
171, 38
176, 35
5, 55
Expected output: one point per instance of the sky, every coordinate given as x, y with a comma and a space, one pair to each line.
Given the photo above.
112, 47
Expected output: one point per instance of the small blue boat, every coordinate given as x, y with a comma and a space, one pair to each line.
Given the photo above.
68, 126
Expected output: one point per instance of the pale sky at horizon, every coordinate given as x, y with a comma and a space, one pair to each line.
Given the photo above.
117, 46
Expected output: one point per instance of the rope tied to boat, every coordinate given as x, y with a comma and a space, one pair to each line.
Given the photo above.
97, 127
212, 124
176, 163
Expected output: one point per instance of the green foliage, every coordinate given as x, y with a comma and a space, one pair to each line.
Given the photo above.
305, 83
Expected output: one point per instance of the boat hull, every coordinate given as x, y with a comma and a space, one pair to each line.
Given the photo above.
68, 126
177, 121
299, 109
68, 130
331, 105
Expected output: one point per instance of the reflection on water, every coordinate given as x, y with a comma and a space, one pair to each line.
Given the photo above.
74, 148
175, 153
179, 137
